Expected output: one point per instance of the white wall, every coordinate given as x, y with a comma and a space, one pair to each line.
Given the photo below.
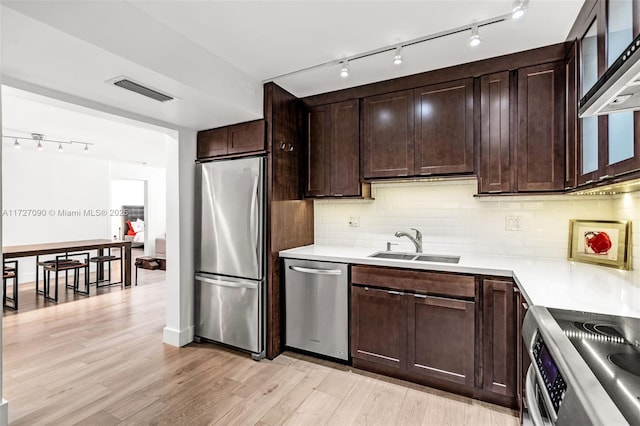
181, 151
627, 207
156, 201
67, 190
452, 220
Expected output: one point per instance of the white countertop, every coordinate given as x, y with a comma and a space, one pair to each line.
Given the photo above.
551, 283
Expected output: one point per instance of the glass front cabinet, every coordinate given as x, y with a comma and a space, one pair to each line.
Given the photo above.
608, 145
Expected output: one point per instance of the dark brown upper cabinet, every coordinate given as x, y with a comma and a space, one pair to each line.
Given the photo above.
495, 174
541, 133
333, 147
444, 128
240, 138
388, 135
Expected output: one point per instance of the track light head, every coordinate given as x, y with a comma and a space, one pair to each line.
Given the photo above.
397, 59
518, 9
60, 148
85, 149
16, 144
474, 40
39, 147
344, 70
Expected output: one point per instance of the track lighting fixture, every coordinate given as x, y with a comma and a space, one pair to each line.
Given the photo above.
474, 40
518, 9
344, 70
397, 59
40, 138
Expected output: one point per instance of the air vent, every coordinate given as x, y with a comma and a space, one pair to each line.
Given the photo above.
132, 86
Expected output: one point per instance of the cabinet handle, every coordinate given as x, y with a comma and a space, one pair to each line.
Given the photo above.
516, 289
589, 181
420, 296
396, 293
338, 195
604, 177
525, 305
495, 192
402, 174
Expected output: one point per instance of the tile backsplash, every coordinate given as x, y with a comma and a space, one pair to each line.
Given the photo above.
452, 220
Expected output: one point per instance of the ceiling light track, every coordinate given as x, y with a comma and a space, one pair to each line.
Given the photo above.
40, 138
398, 47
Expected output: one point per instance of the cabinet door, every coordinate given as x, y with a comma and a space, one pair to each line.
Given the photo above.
540, 137
246, 137
441, 339
212, 143
319, 149
499, 340
378, 327
388, 135
522, 355
345, 148
444, 128
495, 139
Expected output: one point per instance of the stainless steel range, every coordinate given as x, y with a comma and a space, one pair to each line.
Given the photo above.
585, 368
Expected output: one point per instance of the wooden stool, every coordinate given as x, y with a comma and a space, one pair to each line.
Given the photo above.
66, 263
10, 272
100, 260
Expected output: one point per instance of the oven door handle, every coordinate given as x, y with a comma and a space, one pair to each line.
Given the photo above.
532, 403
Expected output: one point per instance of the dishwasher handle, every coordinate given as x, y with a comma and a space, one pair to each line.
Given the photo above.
316, 271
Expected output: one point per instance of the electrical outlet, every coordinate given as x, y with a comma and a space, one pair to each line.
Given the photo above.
354, 221
513, 223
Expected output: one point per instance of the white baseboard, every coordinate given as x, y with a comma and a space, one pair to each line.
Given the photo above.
4, 412
178, 338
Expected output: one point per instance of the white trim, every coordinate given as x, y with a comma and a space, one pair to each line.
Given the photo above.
177, 338
4, 412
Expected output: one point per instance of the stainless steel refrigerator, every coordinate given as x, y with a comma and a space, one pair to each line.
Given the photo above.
230, 253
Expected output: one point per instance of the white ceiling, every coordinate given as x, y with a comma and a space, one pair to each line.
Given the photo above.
213, 55
113, 138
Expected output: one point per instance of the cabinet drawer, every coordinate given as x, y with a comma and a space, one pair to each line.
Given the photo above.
412, 280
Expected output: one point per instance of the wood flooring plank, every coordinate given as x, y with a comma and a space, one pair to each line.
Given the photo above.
315, 410
288, 405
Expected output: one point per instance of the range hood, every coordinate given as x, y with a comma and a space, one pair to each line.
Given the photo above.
618, 89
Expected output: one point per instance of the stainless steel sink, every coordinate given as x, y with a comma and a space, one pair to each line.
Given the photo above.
437, 258
392, 255
416, 257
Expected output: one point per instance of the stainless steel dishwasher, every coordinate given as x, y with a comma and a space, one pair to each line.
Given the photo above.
316, 304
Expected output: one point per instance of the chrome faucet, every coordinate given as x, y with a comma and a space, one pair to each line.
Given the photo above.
417, 240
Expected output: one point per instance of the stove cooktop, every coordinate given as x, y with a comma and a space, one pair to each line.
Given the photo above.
610, 345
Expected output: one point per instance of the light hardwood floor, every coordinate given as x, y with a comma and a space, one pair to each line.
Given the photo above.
101, 361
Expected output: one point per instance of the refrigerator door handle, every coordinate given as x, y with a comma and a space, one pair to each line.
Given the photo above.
226, 283
316, 271
255, 230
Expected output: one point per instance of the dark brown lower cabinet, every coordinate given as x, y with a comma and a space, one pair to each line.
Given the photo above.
455, 332
441, 338
499, 340
378, 326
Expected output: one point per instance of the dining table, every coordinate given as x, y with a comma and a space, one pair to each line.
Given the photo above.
29, 250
